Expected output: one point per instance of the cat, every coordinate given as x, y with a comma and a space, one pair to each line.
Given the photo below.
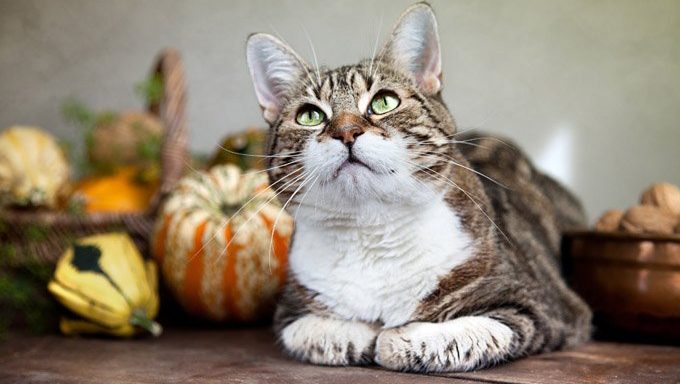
415, 248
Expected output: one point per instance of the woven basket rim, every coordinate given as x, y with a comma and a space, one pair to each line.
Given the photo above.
23, 217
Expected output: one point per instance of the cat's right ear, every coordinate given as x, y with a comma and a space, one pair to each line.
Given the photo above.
275, 69
414, 47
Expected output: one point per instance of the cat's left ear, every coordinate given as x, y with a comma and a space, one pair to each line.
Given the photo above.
275, 70
414, 47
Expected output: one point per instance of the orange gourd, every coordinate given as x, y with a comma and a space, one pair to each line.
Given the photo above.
118, 192
221, 241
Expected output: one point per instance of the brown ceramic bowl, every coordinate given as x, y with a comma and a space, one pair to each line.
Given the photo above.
632, 283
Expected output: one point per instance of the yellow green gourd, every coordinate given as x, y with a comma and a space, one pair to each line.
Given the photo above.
105, 282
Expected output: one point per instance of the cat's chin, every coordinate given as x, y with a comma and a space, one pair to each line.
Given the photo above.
356, 180
357, 186
373, 171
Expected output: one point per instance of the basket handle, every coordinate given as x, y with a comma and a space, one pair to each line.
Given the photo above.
172, 111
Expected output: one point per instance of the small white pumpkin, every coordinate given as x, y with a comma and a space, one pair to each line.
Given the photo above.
32, 167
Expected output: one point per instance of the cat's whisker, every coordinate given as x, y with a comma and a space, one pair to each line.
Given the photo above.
198, 172
375, 45
380, 57
278, 166
447, 141
301, 202
415, 179
297, 154
243, 206
309, 75
466, 142
469, 196
299, 61
276, 194
323, 201
283, 208
450, 160
496, 139
255, 214
478, 138
437, 175
316, 61
464, 130
193, 169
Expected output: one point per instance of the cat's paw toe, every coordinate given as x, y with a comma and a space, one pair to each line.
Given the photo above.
393, 349
329, 341
459, 345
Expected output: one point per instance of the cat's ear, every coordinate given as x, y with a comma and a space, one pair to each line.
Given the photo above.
275, 69
414, 47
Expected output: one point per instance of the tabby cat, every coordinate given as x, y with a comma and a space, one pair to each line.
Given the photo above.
414, 248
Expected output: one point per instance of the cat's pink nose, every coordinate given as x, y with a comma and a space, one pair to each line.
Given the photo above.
347, 134
346, 127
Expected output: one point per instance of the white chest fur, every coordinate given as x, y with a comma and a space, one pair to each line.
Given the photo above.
379, 270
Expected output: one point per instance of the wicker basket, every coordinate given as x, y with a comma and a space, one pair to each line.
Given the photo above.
41, 236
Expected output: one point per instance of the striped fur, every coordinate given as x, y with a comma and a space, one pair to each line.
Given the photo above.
500, 299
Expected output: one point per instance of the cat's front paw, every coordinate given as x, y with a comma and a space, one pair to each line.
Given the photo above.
458, 345
327, 341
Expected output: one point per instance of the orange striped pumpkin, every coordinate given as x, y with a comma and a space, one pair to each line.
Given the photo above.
222, 243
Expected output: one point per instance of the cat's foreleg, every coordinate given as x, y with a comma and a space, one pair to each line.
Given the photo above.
461, 344
329, 341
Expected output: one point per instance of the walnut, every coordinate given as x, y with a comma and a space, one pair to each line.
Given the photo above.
663, 195
609, 221
648, 219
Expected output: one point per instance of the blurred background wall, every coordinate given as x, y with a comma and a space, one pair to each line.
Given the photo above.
590, 88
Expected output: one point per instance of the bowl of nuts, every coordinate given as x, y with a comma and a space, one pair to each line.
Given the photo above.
628, 268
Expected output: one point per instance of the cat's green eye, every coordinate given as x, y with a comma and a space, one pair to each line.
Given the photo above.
310, 116
384, 102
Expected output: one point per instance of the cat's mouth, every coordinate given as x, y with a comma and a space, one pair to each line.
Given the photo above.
351, 164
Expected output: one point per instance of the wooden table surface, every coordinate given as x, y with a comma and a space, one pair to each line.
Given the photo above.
248, 356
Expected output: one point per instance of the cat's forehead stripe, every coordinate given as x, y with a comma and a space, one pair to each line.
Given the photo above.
350, 76
326, 89
339, 81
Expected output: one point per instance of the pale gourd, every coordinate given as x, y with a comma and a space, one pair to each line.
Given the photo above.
32, 167
221, 241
